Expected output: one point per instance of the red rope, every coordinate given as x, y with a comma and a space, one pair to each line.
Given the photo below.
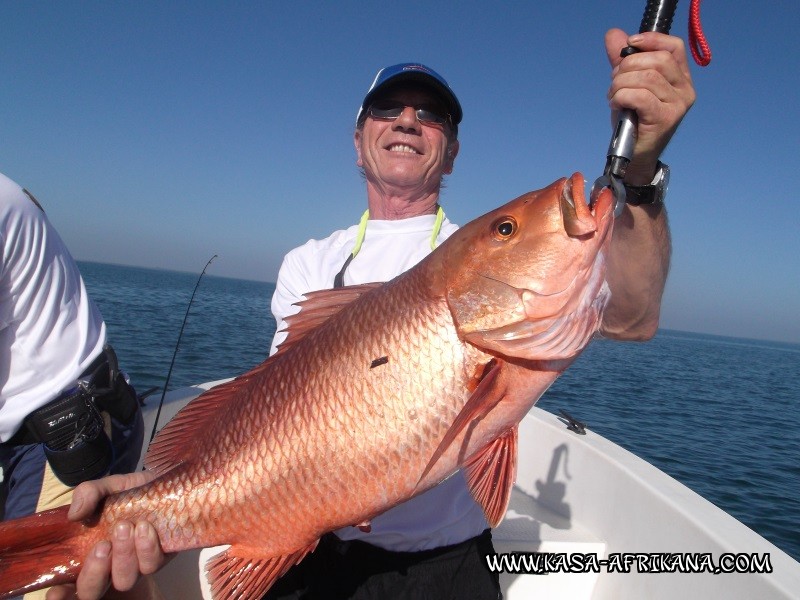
697, 39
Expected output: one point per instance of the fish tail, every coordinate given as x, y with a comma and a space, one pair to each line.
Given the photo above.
40, 551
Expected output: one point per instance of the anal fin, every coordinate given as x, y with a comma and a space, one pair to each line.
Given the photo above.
490, 475
240, 573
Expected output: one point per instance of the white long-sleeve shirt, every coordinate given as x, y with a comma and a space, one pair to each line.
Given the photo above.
50, 330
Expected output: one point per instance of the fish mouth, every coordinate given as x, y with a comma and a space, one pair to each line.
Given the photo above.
579, 218
590, 225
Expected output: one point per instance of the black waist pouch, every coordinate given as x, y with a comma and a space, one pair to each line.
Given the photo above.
120, 400
71, 427
110, 390
75, 442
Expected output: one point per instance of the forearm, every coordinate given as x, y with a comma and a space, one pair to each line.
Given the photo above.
655, 83
638, 264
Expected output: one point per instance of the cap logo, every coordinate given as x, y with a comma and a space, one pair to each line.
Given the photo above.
416, 68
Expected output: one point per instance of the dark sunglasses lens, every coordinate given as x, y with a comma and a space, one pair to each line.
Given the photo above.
428, 116
386, 110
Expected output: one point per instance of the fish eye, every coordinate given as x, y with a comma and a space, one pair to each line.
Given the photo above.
504, 228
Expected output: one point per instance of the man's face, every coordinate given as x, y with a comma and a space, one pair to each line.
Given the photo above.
405, 154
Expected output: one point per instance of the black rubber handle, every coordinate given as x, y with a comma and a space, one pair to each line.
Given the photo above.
658, 15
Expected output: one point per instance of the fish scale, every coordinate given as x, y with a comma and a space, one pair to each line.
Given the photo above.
378, 393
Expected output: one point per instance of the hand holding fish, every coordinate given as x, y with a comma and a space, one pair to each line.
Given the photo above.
134, 549
657, 84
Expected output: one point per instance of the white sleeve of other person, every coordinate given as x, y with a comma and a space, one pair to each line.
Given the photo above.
50, 330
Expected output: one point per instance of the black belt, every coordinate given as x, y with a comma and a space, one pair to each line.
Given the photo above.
24, 436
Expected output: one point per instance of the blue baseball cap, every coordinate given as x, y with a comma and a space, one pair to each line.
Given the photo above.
419, 74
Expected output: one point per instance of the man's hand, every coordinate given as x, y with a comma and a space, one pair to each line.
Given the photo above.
134, 549
657, 84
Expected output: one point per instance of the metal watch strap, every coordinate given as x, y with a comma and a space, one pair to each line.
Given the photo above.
654, 193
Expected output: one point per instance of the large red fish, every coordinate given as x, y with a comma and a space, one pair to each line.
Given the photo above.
379, 393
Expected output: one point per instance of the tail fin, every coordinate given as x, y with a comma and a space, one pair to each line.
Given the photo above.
40, 551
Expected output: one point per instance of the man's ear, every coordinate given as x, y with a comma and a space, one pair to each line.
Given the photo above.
357, 143
452, 152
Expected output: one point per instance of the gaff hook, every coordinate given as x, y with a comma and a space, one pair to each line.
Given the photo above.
617, 189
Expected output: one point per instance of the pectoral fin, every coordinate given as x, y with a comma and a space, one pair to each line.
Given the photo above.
490, 475
483, 399
240, 573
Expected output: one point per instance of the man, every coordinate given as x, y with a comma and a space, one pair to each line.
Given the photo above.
406, 141
66, 413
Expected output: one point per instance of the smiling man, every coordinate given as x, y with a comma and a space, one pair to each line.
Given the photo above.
433, 545
406, 141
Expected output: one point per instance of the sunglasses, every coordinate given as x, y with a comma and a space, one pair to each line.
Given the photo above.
389, 110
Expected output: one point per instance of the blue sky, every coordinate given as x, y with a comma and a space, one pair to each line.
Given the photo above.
161, 133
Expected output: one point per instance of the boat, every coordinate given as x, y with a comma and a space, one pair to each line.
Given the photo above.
588, 520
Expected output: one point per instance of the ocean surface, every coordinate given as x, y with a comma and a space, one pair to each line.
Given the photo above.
721, 415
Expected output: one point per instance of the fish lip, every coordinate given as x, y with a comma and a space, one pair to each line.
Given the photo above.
566, 191
603, 212
601, 208
577, 218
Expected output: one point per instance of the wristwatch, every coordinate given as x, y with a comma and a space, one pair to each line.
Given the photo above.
649, 194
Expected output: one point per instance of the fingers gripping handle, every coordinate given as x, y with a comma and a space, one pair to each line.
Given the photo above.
658, 15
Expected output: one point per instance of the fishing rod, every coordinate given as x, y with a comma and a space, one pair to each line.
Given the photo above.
175, 353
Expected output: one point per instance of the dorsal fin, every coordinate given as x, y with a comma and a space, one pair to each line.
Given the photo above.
175, 443
317, 308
